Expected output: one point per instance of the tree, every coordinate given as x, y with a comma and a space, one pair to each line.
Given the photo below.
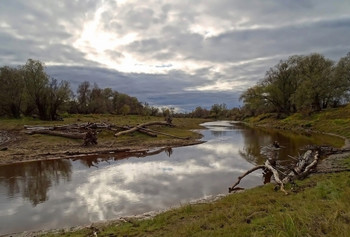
341, 81
125, 110
59, 94
36, 82
11, 91
280, 84
200, 112
254, 101
97, 101
83, 94
314, 86
218, 110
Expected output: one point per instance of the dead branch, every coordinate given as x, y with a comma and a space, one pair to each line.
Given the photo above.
301, 169
276, 176
230, 189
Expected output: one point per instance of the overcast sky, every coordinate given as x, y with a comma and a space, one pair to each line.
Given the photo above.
178, 53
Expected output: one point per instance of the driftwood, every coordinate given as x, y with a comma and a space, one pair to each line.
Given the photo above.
88, 131
56, 133
141, 127
303, 167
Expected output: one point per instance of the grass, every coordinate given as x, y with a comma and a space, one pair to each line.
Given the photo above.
318, 206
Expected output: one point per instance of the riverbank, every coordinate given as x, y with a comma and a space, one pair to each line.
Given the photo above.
335, 121
16, 146
317, 206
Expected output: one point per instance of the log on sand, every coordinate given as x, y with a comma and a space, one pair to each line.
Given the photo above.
142, 127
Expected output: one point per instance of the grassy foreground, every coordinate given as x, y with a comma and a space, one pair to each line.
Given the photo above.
318, 206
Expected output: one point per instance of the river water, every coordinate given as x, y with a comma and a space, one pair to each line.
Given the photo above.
65, 193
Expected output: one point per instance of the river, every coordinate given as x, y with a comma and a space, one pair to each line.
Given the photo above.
64, 193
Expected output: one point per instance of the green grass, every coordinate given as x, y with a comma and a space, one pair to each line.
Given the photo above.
318, 206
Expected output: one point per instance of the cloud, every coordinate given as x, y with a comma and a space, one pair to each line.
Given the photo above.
211, 47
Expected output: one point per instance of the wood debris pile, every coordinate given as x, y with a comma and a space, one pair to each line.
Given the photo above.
88, 131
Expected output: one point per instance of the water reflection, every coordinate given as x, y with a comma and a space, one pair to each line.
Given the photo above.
54, 194
33, 180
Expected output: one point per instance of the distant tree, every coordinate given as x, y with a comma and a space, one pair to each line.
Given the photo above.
59, 94
154, 111
125, 110
83, 95
107, 94
218, 110
97, 101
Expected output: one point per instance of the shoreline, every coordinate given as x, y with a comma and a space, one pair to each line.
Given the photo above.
120, 152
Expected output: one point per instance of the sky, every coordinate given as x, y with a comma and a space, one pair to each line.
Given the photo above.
180, 54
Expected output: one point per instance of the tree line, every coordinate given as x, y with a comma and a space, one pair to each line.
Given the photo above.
28, 90
298, 84
302, 84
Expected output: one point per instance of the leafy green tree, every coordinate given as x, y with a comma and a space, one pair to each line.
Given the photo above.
280, 84
314, 86
254, 101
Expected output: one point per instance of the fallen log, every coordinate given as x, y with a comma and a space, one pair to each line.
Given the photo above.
141, 126
165, 134
60, 134
148, 133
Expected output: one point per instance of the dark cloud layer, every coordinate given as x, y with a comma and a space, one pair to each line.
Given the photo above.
177, 53
160, 90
